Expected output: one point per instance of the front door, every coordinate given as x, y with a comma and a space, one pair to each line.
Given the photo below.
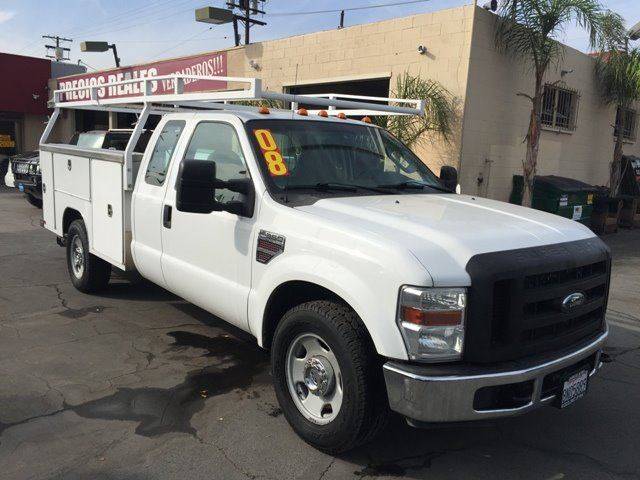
207, 257
150, 189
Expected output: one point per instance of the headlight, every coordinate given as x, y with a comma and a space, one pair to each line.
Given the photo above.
431, 321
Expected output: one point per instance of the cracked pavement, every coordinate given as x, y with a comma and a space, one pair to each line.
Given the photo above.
136, 383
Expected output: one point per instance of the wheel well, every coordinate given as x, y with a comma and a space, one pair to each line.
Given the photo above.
287, 296
70, 215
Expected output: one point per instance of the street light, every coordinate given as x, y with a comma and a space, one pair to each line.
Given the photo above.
100, 47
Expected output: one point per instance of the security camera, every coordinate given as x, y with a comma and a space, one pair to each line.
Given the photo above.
422, 49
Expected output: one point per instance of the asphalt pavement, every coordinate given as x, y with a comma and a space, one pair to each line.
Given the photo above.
136, 383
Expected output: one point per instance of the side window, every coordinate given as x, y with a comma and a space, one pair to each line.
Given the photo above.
162, 152
219, 142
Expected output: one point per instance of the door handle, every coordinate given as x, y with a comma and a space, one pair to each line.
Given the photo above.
166, 216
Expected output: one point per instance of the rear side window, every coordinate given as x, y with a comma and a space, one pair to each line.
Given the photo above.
162, 152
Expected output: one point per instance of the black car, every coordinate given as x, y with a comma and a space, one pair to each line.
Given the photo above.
27, 177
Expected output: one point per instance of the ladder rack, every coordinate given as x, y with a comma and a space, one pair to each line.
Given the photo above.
137, 95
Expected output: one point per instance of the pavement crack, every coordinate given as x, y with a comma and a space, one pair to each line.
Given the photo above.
324, 472
6, 426
63, 301
233, 463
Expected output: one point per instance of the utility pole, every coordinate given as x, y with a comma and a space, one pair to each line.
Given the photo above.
247, 7
58, 51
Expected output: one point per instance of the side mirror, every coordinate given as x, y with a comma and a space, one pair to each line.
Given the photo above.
196, 189
449, 177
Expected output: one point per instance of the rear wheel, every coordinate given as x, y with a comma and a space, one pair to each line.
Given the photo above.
88, 273
327, 376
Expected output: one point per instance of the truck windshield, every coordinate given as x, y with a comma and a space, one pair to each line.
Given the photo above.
336, 157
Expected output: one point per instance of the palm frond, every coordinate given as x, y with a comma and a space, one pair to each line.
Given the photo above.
439, 113
618, 73
529, 29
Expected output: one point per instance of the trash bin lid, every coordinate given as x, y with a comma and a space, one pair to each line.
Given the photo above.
563, 183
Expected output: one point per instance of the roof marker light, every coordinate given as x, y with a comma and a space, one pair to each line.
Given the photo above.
264, 110
323, 113
342, 116
303, 112
366, 120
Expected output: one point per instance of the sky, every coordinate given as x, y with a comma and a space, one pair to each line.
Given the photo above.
148, 30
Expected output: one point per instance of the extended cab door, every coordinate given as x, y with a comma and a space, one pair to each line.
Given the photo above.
207, 257
148, 196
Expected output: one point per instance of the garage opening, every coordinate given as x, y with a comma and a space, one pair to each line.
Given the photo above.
375, 87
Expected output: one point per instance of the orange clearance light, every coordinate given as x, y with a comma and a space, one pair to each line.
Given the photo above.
342, 115
435, 318
366, 120
303, 112
263, 110
323, 113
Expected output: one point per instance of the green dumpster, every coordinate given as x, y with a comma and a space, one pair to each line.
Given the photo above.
562, 196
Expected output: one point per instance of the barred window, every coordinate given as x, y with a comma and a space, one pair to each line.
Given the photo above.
559, 107
626, 119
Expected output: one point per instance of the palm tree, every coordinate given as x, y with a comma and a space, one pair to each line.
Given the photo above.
439, 111
527, 30
618, 73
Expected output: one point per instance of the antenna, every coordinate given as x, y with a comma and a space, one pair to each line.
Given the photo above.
57, 50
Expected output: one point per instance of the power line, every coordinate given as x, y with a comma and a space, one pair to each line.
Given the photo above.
338, 10
168, 14
173, 47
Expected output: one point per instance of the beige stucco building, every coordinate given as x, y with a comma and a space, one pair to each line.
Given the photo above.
457, 49
460, 54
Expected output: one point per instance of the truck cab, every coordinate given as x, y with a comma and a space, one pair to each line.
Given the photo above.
373, 284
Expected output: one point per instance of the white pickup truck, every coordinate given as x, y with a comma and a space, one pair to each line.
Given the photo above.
374, 285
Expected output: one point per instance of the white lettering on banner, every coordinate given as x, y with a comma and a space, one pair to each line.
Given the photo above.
203, 65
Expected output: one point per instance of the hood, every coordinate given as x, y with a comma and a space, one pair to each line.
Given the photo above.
443, 231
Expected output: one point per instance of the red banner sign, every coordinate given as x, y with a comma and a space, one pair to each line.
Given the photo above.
213, 64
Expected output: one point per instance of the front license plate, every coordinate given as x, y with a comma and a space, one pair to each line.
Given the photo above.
574, 388
21, 187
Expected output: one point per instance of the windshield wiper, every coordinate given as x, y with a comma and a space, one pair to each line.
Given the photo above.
336, 186
414, 185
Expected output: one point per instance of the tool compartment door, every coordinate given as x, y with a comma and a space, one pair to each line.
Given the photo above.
48, 197
107, 211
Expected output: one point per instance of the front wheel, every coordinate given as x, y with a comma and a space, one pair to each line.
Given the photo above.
88, 273
327, 376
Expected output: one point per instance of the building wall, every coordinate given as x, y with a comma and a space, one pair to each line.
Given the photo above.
23, 83
496, 120
375, 50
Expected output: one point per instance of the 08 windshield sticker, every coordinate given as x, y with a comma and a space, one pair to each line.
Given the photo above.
271, 153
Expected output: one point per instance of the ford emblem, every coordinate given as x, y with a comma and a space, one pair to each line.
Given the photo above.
572, 301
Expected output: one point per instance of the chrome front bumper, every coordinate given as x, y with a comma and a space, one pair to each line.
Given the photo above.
450, 398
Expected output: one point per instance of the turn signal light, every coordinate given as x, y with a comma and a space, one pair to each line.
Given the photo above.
432, 318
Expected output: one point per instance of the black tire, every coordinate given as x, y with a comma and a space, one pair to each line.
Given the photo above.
95, 271
365, 409
36, 202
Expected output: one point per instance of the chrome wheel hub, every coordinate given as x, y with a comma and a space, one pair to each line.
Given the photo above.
318, 376
314, 378
77, 257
